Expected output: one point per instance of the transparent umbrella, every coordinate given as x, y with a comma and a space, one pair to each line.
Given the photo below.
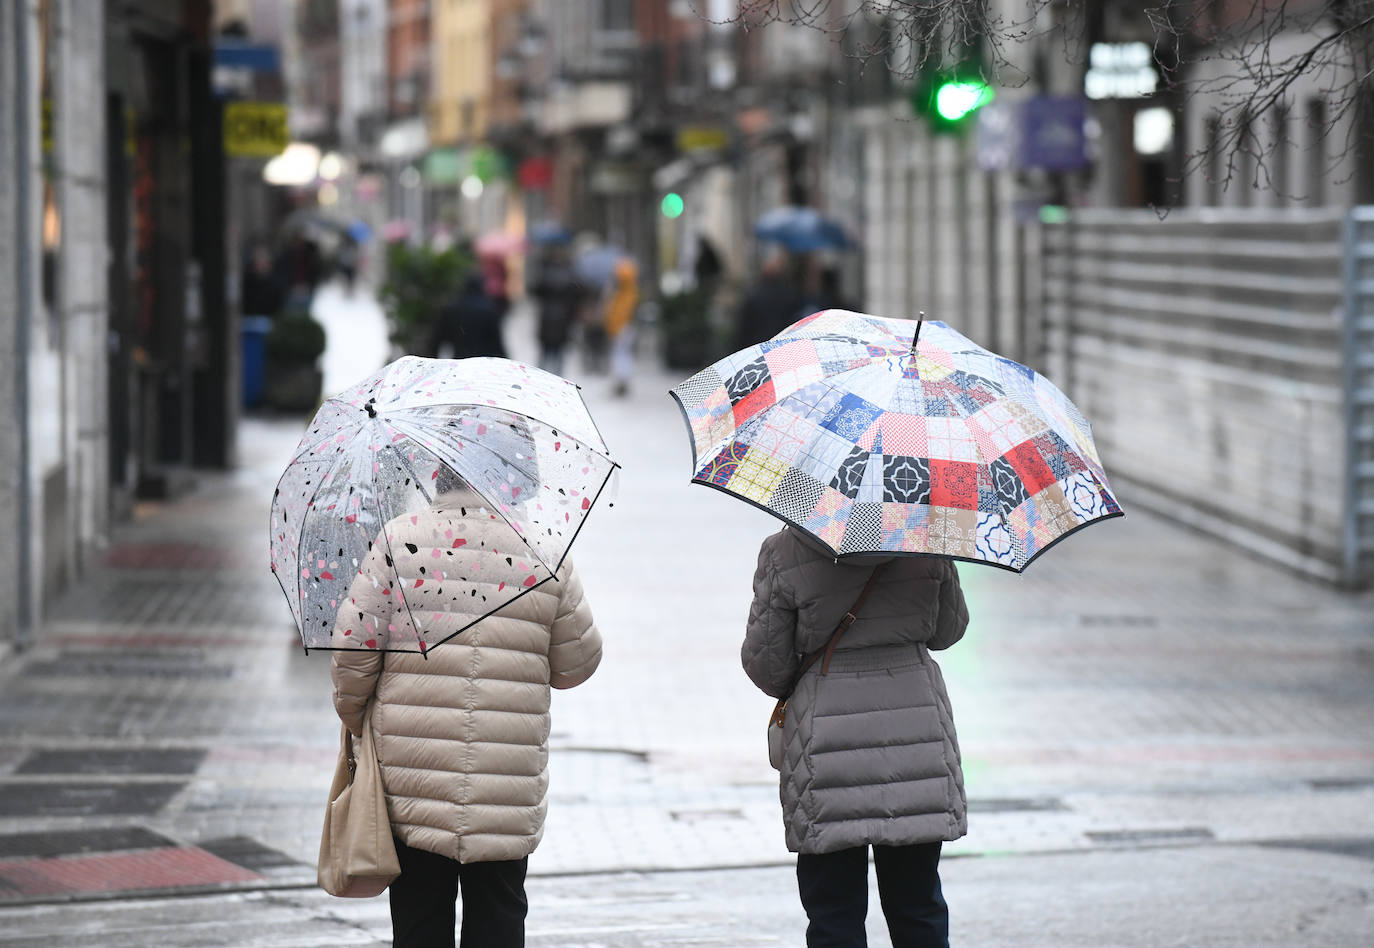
517, 439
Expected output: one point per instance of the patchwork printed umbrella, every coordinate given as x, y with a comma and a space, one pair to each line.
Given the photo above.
520, 438
876, 434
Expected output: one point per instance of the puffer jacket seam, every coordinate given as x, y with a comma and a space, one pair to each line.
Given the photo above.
440, 707
876, 747
952, 785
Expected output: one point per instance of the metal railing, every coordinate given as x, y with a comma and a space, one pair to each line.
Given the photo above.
1226, 360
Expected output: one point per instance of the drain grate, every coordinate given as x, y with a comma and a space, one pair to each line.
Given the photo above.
85, 799
1342, 783
1189, 834
1359, 848
1115, 621
98, 761
99, 840
706, 815
1015, 805
248, 853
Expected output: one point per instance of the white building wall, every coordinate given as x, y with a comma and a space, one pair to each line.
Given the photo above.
1320, 169
53, 444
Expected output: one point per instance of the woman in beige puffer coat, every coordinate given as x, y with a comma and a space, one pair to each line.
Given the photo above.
870, 755
462, 731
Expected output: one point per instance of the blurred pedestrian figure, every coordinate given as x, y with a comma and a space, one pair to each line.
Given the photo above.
299, 270
558, 297
260, 290
494, 281
827, 295
469, 325
346, 260
869, 754
707, 268
462, 731
619, 324
770, 306
595, 343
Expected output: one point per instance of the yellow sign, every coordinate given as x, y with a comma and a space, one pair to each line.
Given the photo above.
702, 138
255, 129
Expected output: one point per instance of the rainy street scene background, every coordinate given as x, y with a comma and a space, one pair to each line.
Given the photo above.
1152, 220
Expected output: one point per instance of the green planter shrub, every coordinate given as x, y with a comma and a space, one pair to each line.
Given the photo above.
418, 282
293, 346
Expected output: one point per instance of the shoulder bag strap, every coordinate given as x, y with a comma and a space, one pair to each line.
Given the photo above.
827, 650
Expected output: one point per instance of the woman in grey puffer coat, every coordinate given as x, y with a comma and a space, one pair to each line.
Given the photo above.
870, 755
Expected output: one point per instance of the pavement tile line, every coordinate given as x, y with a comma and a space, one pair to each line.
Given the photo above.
1144, 679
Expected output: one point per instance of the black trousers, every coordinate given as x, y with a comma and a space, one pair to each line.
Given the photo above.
423, 901
834, 892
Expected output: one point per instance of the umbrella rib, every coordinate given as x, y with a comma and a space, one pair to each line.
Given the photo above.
309, 505
400, 590
501, 457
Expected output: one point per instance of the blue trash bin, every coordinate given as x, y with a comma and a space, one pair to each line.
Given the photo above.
253, 332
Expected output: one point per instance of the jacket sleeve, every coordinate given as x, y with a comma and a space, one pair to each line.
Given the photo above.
952, 618
365, 616
769, 653
575, 642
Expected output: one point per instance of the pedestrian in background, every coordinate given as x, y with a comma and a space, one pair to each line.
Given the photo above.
619, 324
827, 295
869, 753
462, 731
495, 275
770, 306
469, 325
558, 296
260, 290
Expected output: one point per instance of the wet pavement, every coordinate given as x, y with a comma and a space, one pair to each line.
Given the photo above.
1166, 742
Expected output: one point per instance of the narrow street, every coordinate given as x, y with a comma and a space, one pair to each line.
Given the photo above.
1143, 703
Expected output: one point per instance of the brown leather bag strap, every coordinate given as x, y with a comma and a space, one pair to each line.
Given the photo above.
828, 649
848, 619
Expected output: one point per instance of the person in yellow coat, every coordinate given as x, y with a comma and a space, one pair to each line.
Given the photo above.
618, 322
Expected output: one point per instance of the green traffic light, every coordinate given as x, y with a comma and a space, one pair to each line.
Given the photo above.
672, 205
960, 98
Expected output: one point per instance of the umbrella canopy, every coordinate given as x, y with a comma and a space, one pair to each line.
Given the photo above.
549, 232
801, 230
596, 266
499, 243
360, 231
887, 435
520, 438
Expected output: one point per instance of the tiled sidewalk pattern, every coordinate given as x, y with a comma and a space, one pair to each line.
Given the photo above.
1139, 680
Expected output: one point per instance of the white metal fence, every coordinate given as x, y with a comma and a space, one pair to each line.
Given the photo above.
1226, 361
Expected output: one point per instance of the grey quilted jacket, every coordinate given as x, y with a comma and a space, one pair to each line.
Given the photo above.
870, 754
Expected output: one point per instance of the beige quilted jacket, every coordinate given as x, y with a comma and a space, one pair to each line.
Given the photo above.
462, 734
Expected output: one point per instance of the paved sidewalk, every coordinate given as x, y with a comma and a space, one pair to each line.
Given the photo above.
1170, 727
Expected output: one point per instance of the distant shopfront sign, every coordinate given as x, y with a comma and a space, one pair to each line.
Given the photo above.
1121, 71
1052, 133
1044, 131
255, 129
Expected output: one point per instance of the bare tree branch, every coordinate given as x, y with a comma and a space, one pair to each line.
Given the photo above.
1244, 68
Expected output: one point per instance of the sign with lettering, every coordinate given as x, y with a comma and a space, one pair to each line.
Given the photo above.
255, 129
1121, 71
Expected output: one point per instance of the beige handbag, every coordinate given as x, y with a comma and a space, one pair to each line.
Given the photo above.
357, 853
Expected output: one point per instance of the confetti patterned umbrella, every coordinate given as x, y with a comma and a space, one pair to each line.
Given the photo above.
876, 434
520, 438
